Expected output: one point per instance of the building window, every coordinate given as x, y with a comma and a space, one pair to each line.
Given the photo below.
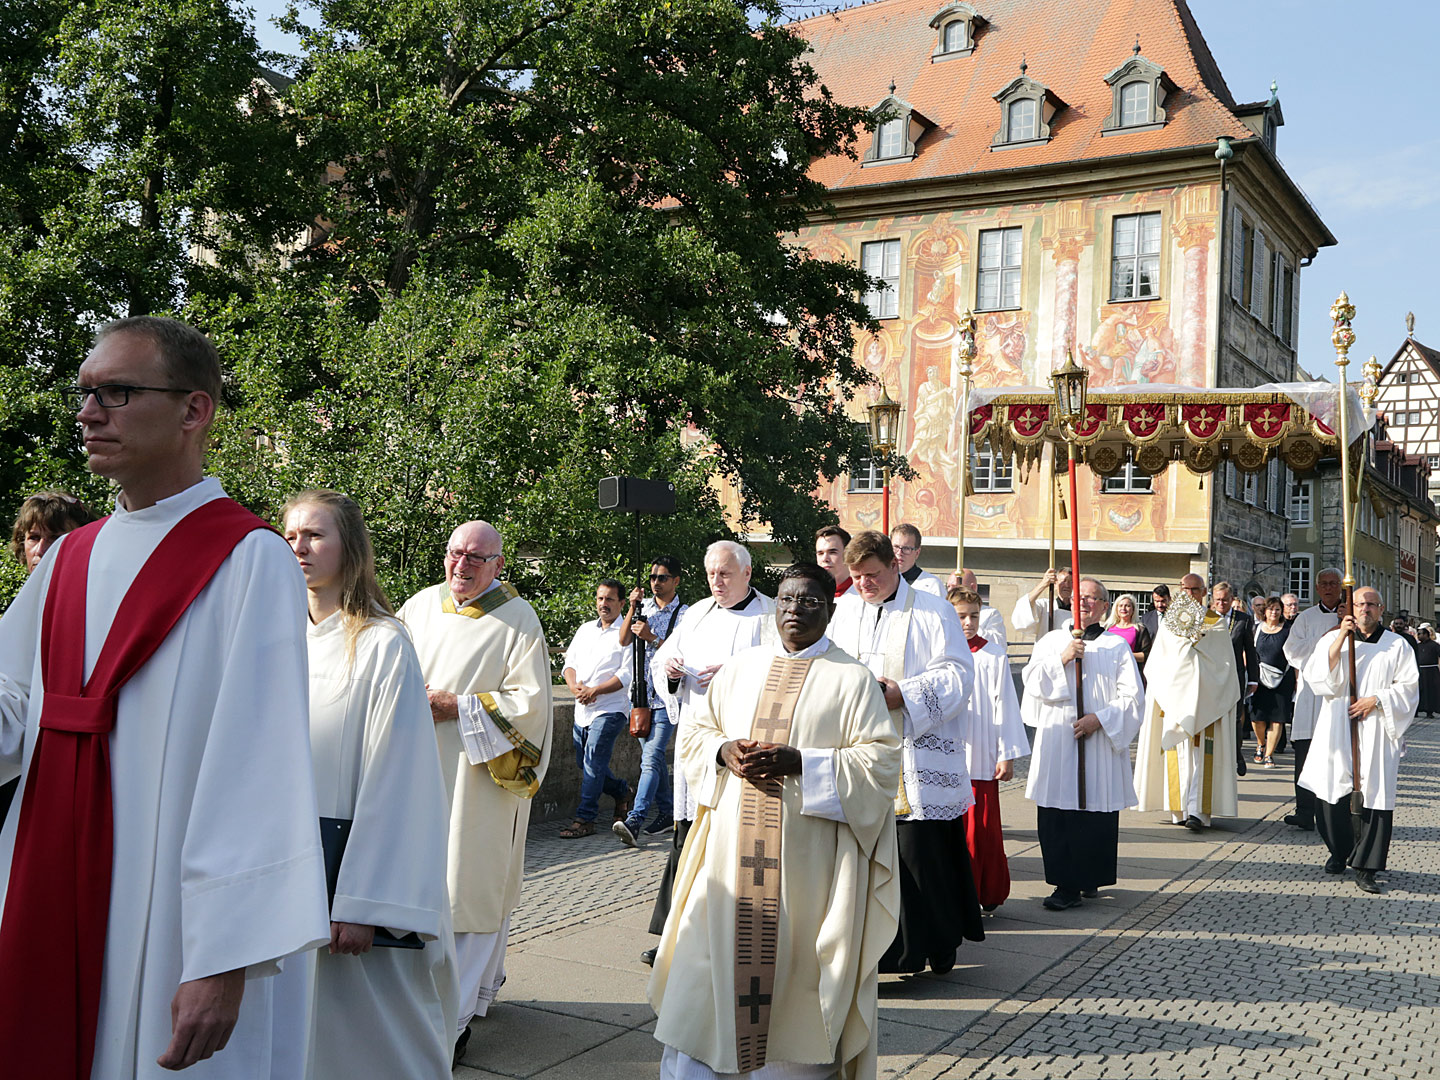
956, 23
998, 283
881, 259
867, 474
1250, 488
1401, 378
1022, 115
989, 472
1302, 493
895, 137
1135, 258
1300, 574
1135, 104
1129, 480
1246, 251
891, 136
955, 37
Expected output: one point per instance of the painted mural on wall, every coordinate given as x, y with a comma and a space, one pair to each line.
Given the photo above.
1064, 302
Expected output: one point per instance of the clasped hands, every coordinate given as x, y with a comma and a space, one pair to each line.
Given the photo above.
752, 760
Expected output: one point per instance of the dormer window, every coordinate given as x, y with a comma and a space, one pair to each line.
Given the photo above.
895, 136
1026, 110
955, 25
1139, 90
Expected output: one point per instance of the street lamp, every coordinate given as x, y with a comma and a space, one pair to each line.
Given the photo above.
1070, 384
963, 365
884, 436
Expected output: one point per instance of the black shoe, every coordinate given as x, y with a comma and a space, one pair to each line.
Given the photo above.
659, 825
460, 1044
1334, 865
1294, 819
1194, 824
1089, 894
1240, 767
988, 908
626, 834
1061, 899
1366, 880
648, 957
941, 964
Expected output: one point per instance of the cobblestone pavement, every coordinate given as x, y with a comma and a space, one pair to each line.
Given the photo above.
1223, 954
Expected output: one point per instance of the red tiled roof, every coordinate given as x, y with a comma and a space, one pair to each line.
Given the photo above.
1069, 46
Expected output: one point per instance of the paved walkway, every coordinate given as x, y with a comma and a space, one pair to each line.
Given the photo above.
1223, 954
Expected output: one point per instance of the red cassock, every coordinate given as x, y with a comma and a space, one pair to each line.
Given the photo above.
983, 836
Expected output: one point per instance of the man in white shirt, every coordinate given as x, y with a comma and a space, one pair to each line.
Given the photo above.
830, 541
906, 540
597, 670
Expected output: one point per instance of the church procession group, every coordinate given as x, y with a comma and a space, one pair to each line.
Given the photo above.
266, 826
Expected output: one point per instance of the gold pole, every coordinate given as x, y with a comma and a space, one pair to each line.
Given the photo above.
964, 352
1342, 312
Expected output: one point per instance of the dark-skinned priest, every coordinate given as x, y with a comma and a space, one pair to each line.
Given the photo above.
1080, 845
786, 893
1387, 689
914, 645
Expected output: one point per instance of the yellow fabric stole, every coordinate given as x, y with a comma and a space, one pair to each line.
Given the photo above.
757, 889
1207, 770
514, 771
897, 633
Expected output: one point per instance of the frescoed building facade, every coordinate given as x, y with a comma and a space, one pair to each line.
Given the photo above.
1051, 165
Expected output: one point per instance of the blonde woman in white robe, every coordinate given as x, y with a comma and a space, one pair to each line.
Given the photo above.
379, 1010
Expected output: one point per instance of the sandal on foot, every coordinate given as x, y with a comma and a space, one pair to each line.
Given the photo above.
577, 829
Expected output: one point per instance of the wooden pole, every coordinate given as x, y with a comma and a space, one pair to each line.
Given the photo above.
1342, 312
1076, 630
1052, 487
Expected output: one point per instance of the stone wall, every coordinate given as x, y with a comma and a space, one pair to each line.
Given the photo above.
560, 791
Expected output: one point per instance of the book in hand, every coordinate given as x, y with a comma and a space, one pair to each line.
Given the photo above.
334, 834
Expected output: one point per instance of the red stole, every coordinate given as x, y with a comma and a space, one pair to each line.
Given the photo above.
52, 935
977, 643
841, 590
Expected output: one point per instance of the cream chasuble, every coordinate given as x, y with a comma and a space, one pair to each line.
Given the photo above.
499, 656
1385, 670
1188, 736
827, 905
217, 860
388, 1012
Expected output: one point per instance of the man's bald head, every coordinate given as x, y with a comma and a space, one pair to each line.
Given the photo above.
473, 560
1368, 608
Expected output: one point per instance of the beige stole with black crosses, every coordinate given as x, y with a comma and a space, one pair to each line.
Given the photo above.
757, 873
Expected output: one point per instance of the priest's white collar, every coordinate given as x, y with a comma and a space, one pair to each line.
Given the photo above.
172, 508
474, 599
818, 649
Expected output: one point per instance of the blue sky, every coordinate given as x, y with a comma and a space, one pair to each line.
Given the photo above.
1357, 139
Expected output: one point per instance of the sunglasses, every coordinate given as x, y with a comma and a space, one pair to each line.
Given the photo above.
661, 577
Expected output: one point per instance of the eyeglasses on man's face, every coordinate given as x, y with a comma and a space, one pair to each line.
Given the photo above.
800, 603
904, 549
114, 395
661, 577
470, 557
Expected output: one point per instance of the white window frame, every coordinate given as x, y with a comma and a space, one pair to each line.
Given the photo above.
884, 303
1135, 290
1004, 273
989, 473
1130, 480
1302, 564
1302, 502
1250, 488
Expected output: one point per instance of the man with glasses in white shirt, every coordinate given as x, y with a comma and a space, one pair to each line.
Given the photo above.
487, 670
906, 541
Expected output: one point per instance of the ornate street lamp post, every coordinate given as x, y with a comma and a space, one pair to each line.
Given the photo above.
884, 436
1070, 383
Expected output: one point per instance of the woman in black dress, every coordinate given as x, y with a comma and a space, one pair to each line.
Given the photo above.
1277, 683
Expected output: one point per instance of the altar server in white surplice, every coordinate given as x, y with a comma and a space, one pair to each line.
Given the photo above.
380, 1010
1387, 685
732, 618
199, 819
1080, 847
487, 671
1032, 611
787, 889
1305, 633
1187, 743
916, 648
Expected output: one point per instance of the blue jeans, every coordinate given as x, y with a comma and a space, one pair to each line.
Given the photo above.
654, 786
593, 746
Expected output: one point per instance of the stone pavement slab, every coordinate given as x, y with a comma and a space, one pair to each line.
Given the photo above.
1226, 953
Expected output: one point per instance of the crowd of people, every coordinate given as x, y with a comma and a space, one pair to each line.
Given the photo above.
265, 820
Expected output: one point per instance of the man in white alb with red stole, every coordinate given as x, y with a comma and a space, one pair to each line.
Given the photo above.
165, 858
787, 890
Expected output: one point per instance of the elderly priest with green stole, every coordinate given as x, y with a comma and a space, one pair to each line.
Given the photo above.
787, 894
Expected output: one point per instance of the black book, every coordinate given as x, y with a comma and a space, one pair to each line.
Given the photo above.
334, 835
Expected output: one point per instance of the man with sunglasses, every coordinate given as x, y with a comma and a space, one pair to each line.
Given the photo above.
487, 669
651, 625
165, 857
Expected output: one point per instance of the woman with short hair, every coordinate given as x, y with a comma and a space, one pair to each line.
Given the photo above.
1268, 705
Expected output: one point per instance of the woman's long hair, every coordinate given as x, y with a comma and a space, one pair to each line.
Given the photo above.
1134, 610
361, 597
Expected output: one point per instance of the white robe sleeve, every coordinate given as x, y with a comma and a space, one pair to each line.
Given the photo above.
818, 796
1120, 716
482, 738
940, 689
1024, 617
1325, 681
1010, 727
1046, 680
19, 642
1397, 702
252, 879
992, 626
393, 872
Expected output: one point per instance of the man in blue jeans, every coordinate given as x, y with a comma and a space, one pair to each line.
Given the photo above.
597, 672
651, 625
